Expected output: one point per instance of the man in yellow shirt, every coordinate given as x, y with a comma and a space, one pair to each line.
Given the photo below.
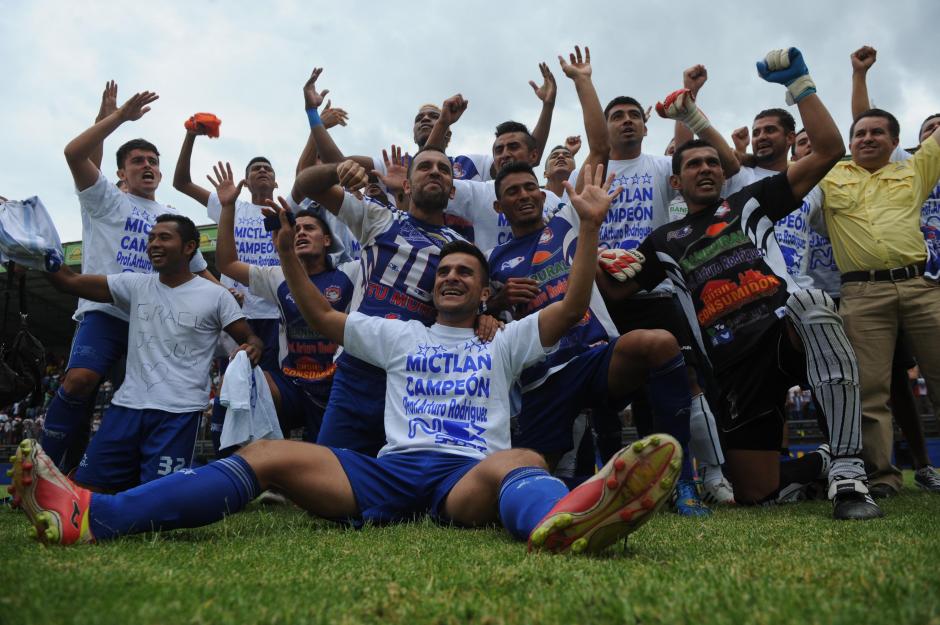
872, 211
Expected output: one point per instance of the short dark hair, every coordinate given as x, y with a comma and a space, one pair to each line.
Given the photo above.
623, 99
185, 226
428, 148
894, 128
688, 145
793, 147
786, 120
511, 126
512, 167
134, 144
257, 159
464, 247
924, 123
325, 227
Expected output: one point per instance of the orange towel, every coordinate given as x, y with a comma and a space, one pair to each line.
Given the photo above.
204, 124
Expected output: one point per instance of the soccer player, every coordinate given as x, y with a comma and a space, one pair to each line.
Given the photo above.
642, 204
446, 421
115, 225
300, 386
174, 322
399, 260
559, 165
593, 366
761, 331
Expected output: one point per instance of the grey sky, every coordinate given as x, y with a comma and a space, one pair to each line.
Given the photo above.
246, 62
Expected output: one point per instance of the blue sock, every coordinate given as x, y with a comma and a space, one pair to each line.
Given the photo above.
525, 497
670, 399
215, 429
65, 427
187, 498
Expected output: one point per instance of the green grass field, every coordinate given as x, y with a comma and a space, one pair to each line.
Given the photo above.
277, 565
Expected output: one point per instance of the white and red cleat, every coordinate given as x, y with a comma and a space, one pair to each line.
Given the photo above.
616, 501
57, 508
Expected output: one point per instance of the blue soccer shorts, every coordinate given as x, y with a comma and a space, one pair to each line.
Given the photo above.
135, 446
402, 486
100, 341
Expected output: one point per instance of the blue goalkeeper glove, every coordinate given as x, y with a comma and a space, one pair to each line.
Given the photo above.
787, 67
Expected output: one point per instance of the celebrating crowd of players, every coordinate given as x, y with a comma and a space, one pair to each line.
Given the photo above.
480, 313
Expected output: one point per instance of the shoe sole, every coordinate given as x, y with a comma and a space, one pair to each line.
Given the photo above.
46, 525
634, 485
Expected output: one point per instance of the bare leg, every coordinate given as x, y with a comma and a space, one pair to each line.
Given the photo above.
474, 499
309, 475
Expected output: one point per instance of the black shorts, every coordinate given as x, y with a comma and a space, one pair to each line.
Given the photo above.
754, 391
655, 313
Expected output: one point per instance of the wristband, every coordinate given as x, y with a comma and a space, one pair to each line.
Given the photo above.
314, 117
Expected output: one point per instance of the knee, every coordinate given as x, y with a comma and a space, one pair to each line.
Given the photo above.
652, 346
812, 306
80, 382
521, 457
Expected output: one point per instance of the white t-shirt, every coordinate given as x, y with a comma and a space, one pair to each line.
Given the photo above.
171, 339
472, 213
447, 391
114, 237
641, 206
253, 245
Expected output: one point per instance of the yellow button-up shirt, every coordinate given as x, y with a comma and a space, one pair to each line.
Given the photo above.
874, 218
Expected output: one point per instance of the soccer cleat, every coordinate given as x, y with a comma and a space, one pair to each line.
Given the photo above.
57, 508
718, 493
686, 502
927, 478
852, 501
615, 501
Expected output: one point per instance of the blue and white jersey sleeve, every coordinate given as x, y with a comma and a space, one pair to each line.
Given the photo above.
365, 218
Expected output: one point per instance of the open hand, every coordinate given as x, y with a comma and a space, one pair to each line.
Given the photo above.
545, 93
594, 200
224, 184
577, 66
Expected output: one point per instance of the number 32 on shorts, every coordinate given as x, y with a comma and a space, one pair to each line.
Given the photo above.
168, 465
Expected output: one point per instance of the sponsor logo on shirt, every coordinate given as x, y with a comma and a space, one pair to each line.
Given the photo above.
720, 297
723, 211
720, 335
512, 263
543, 256
546, 236
715, 229
681, 233
332, 293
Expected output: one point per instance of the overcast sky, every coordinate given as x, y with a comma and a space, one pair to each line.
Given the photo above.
247, 62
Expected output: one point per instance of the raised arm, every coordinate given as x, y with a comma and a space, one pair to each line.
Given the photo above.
451, 110
578, 69
680, 105
862, 60
592, 205
316, 310
320, 140
87, 286
182, 176
108, 106
326, 184
546, 93
693, 79
329, 117
81, 149
226, 255
787, 67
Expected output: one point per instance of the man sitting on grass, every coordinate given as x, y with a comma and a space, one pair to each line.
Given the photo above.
446, 423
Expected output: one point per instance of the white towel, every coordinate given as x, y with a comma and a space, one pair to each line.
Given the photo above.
250, 413
28, 236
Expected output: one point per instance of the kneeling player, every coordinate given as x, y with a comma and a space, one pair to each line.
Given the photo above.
447, 451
